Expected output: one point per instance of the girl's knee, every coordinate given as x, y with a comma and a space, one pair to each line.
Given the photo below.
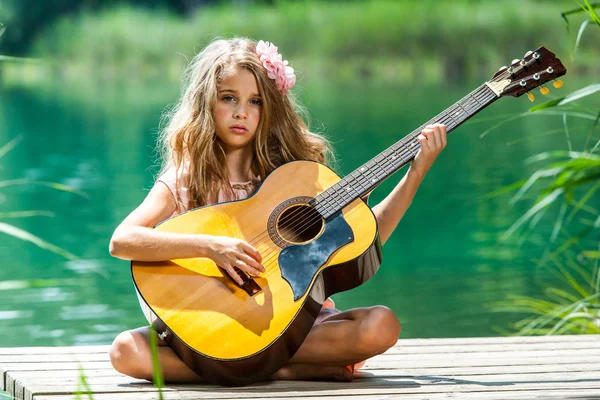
380, 329
128, 355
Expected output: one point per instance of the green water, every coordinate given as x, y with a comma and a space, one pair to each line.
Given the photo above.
441, 269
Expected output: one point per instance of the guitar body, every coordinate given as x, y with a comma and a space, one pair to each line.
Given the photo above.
236, 335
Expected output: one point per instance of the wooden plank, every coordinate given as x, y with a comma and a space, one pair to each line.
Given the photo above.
52, 376
442, 348
495, 354
373, 386
461, 364
52, 358
491, 395
17, 379
497, 340
6, 368
53, 350
47, 358
459, 358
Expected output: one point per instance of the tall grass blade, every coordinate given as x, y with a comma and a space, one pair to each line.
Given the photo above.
579, 10
24, 235
26, 214
591, 12
548, 104
532, 211
53, 185
536, 175
566, 127
584, 25
158, 379
83, 384
582, 202
587, 140
578, 94
10, 145
558, 223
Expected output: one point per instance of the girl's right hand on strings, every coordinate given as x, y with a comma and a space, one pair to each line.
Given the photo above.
229, 252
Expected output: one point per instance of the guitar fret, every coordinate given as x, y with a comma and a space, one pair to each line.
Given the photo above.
366, 177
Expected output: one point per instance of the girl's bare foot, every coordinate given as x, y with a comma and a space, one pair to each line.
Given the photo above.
306, 372
329, 303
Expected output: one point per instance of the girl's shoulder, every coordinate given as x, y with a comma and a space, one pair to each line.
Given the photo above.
177, 182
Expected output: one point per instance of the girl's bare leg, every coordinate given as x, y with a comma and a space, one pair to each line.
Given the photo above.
342, 339
338, 340
130, 355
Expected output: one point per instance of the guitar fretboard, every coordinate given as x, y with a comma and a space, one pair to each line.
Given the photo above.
365, 178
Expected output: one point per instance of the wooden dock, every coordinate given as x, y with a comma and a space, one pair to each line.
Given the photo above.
554, 367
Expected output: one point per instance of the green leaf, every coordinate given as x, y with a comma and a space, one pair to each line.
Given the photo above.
591, 254
548, 104
157, 375
53, 185
591, 12
10, 145
19, 233
25, 214
578, 94
584, 24
532, 211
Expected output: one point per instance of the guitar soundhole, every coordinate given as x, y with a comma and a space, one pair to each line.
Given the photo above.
299, 224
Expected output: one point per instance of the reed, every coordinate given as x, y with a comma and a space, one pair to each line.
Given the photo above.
566, 185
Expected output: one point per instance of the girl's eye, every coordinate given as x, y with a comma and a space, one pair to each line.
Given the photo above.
228, 98
257, 102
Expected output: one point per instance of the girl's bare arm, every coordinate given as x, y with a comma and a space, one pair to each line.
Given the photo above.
391, 210
135, 238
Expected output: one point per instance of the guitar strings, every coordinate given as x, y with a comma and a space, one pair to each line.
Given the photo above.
296, 214
268, 263
310, 221
302, 213
300, 229
273, 250
270, 260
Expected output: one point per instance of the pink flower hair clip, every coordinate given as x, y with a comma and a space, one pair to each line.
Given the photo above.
277, 68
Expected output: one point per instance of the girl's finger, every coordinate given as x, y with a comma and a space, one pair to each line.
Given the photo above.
252, 252
238, 279
251, 263
444, 138
424, 139
434, 137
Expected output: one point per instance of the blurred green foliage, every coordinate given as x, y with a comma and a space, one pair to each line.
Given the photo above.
381, 38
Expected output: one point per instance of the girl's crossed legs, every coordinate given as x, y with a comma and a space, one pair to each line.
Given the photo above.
337, 340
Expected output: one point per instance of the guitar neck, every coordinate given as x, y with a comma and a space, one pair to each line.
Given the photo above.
365, 178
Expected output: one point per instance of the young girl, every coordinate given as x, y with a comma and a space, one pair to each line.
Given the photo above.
234, 124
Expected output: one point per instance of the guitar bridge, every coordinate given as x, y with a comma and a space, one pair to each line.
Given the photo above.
249, 286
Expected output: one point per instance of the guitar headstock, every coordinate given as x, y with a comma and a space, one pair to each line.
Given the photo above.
535, 69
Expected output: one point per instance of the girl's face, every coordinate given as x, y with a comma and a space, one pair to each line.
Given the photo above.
237, 111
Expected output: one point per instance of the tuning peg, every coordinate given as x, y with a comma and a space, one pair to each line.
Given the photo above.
531, 97
502, 68
515, 60
528, 53
544, 90
558, 84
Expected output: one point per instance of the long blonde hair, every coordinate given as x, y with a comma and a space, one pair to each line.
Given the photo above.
189, 142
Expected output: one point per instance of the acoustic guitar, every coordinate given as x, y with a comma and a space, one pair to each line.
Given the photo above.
317, 237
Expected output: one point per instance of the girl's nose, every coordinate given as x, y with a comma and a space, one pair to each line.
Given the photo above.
240, 112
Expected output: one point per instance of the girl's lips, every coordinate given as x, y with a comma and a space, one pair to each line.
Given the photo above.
238, 129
